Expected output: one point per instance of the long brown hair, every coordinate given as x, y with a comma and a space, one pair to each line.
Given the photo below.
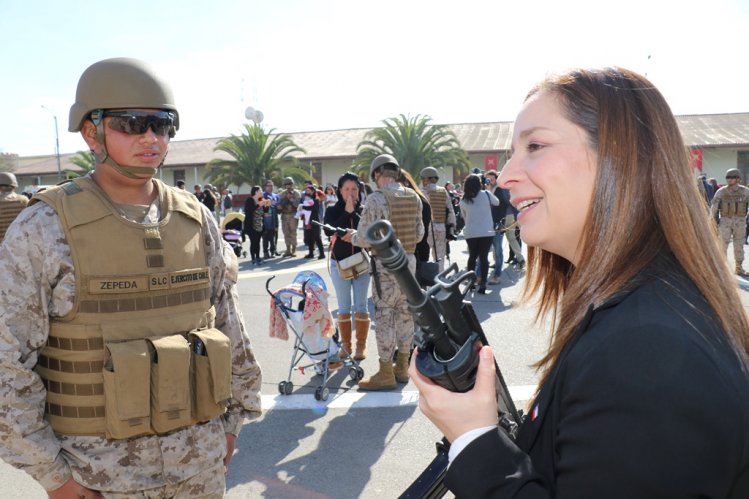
645, 204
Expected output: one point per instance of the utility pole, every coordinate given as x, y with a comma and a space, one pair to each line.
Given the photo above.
57, 144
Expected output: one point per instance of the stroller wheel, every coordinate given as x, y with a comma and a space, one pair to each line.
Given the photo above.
321, 393
285, 387
355, 373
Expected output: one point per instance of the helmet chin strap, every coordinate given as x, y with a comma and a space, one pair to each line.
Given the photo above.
135, 172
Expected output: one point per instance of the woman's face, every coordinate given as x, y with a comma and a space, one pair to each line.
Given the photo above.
309, 190
551, 176
349, 189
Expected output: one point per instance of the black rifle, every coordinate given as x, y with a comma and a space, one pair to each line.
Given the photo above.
449, 340
339, 231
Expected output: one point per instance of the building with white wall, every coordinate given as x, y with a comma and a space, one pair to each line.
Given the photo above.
718, 141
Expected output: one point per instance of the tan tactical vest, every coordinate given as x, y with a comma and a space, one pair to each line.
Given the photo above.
404, 210
127, 360
10, 207
438, 202
733, 204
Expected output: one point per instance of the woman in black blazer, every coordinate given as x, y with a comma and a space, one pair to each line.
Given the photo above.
644, 390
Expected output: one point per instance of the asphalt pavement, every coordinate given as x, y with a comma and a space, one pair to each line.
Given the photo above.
355, 444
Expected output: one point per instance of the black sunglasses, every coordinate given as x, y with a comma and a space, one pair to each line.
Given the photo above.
138, 122
732, 176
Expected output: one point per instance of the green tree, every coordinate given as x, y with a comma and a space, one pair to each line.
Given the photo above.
257, 155
83, 159
415, 143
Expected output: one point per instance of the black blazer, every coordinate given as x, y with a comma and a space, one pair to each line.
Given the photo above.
647, 401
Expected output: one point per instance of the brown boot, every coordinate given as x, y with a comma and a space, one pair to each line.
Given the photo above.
383, 380
362, 330
401, 367
344, 329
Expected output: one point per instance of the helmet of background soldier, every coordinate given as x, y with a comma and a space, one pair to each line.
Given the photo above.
388, 164
120, 83
733, 172
430, 172
288, 181
7, 178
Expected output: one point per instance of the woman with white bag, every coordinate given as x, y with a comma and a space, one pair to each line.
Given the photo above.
349, 266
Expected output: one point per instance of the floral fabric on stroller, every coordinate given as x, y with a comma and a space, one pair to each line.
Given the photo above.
303, 307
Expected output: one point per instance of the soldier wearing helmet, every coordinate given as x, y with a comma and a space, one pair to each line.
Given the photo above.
443, 215
394, 324
729, 206
288, 202
117, 285
11, 203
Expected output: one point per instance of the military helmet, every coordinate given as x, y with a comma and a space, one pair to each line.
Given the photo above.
288, 181
381, 161
733, 172
7, 178
430, 172
120, 83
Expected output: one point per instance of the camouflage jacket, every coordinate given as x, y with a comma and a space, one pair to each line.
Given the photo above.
39, 283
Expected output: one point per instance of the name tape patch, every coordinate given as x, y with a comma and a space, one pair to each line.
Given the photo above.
153, 282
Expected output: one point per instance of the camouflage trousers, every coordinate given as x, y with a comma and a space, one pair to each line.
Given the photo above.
289, 226
208, 484
733, 229
394, 324
438, 243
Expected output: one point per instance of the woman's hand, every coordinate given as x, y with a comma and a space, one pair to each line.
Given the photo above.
350, 204
347, 237
457, 413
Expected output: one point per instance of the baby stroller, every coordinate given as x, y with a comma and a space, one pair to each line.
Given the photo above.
298, 305
231, 231
234, 238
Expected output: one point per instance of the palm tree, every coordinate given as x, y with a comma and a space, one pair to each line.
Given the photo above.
415, 143
257, 155
83, 159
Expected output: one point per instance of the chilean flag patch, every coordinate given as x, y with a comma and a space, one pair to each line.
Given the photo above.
534, 413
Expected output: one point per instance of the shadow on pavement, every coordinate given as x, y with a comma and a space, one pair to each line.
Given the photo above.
276, 458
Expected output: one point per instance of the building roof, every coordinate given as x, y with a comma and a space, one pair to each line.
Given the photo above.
707, 130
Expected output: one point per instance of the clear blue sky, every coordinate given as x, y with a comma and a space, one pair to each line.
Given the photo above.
330, 64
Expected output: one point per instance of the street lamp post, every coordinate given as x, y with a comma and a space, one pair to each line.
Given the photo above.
57, 144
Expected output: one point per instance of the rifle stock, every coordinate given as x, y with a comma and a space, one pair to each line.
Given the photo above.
449, 338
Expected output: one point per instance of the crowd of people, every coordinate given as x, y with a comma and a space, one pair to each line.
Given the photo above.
127, 371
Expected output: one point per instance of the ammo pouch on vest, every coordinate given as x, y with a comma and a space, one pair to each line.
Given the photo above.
161, 384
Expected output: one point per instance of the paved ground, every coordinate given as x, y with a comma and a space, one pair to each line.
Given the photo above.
355, 445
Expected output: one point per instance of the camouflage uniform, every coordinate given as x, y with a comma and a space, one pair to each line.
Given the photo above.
438, 237
731, 203
11, 204
289, 222
394, 324
40, 284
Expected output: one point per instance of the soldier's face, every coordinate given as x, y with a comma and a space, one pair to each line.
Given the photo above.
146, 149
551, 177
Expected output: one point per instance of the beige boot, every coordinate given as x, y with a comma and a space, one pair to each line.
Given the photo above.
401, 367
344, 329
383, 380
362, 331
740, 270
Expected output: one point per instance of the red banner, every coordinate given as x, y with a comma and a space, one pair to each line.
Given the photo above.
696, 158
491, 162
